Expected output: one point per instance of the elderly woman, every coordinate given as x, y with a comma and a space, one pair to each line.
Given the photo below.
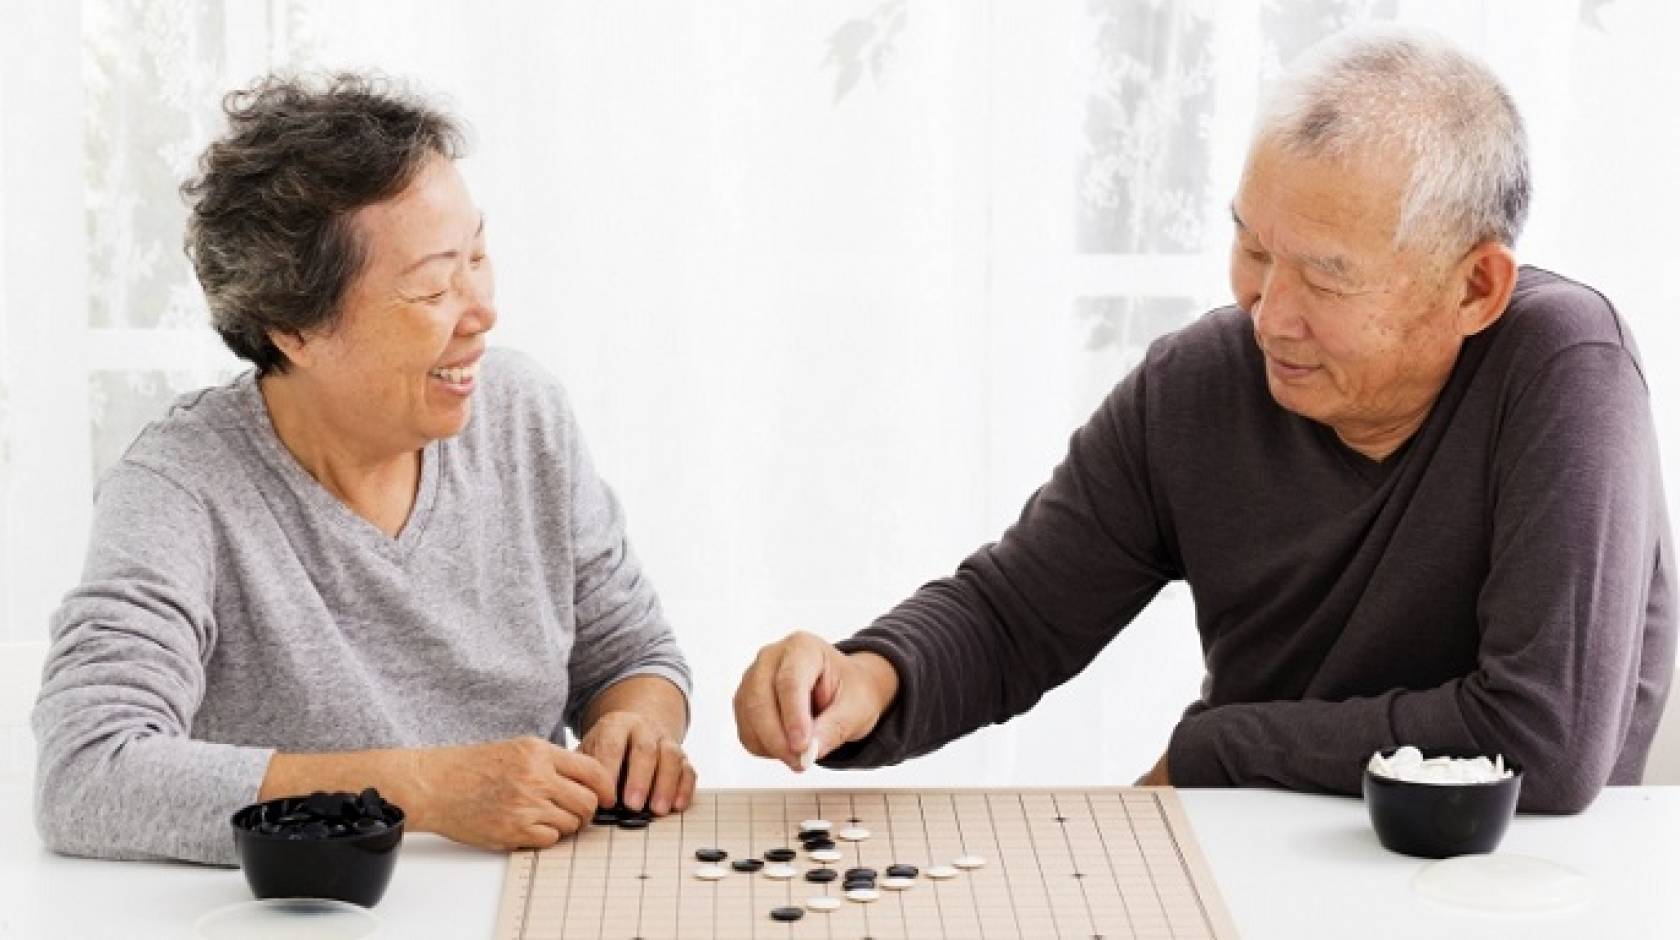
381, 557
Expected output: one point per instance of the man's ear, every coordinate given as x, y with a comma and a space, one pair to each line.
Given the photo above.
1482, 283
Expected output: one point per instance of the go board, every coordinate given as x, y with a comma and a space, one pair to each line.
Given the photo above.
1115, 864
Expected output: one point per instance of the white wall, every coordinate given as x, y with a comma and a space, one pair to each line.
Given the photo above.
822, 344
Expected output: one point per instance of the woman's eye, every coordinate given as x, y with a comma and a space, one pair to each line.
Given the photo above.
477, 260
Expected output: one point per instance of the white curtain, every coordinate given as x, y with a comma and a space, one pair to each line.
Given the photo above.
830, 281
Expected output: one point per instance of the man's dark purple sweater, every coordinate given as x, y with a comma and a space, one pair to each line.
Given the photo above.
1502, 582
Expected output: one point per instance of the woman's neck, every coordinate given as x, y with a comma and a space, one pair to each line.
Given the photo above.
378, 484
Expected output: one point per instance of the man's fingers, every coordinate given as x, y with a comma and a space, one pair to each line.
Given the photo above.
757, 719
796, 677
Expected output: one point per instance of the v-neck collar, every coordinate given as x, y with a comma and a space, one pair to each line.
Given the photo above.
330, 507
1373, 472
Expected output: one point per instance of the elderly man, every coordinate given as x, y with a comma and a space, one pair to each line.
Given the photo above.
1414, 489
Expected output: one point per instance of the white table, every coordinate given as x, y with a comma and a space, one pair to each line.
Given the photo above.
1288, 865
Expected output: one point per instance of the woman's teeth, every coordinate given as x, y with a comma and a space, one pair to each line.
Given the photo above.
457, 375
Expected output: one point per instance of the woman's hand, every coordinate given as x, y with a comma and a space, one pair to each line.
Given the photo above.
646, 760
523, 793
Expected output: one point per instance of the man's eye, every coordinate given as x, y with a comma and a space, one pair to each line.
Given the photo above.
1255, 254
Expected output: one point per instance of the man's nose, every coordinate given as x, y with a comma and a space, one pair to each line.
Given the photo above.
1277, 311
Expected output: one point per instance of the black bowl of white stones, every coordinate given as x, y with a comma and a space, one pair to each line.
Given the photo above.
341, 846
1440, 802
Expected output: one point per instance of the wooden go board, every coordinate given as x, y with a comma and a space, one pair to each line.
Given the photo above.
1115, 864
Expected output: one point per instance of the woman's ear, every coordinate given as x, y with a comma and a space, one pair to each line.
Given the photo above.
296, 347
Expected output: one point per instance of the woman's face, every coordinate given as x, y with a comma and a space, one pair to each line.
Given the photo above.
399, 368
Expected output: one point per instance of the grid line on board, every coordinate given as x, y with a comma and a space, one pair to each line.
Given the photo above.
1113, 874
1184, 864
1073, 858
1014, 911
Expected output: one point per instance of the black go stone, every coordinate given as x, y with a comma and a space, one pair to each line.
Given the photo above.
606, 817
746, 864
787, 914
780, 855
855, 873
853, 884
812, 845
821, 875
320, 815
902, 871
711, 855
806, 835
634, 822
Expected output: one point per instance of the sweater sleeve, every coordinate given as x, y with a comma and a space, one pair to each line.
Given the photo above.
621, 628
1023, 615
1576, 519
119, 775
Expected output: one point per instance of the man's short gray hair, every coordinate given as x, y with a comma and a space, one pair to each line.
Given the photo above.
1382, 93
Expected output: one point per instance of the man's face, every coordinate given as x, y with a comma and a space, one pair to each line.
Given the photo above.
1356, 333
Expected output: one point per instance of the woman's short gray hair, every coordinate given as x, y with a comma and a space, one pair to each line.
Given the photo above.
1379, 93
269, 226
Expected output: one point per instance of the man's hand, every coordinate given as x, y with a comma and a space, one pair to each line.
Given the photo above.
802, 687
522, 793
654, 770
1157, 775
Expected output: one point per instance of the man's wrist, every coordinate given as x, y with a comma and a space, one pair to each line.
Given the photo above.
878, 671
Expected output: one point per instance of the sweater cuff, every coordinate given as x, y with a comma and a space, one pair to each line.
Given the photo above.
1193, 755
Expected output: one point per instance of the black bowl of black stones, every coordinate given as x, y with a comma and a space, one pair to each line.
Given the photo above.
325, 845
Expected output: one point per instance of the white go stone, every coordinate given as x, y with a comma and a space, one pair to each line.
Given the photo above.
941, 872
854, 834
780, 872
809, 758
863, 895
898, 884
1408, 764
969, 861
826, 856
816, 825
823, 903
711, 873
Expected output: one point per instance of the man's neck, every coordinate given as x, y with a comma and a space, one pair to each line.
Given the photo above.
1376, 442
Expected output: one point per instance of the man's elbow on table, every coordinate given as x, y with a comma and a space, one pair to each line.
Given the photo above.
1560, 777
1556, 787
